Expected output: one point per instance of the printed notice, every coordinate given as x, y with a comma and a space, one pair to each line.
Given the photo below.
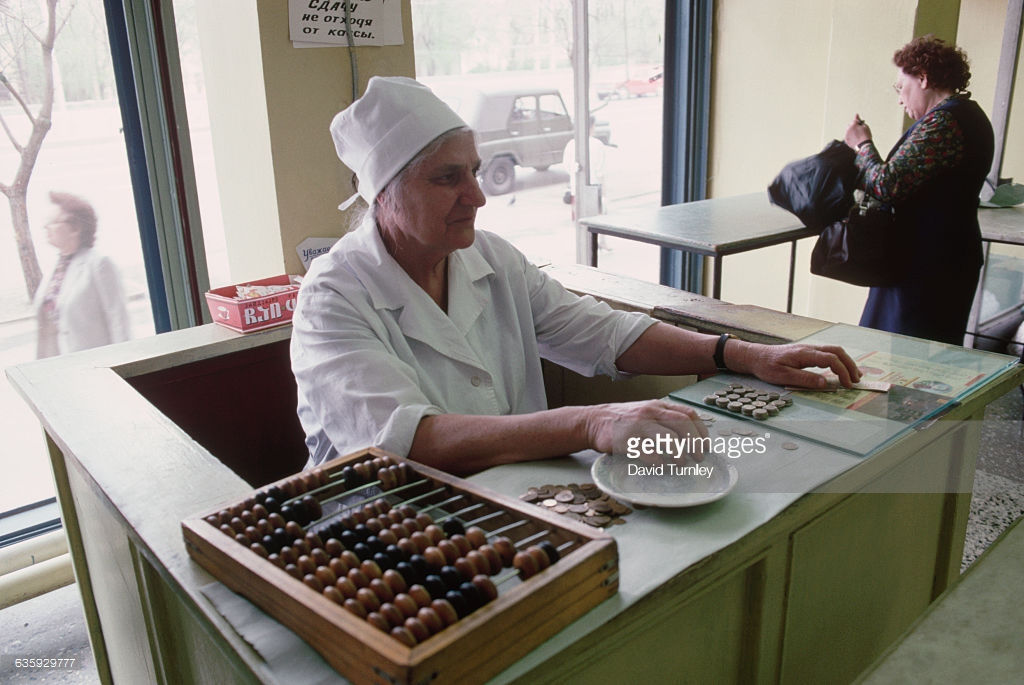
324, 23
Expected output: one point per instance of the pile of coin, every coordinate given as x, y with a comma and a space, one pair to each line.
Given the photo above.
742, 399
582, 502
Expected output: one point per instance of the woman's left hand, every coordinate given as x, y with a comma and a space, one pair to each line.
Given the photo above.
787, 365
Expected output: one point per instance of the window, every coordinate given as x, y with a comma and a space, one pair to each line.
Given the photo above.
527, 71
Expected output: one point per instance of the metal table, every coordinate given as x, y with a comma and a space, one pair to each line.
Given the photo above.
998, 225
712, 228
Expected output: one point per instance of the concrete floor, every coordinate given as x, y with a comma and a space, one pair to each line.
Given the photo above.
53, 625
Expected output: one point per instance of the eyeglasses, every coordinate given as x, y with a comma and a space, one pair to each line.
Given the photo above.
898, 87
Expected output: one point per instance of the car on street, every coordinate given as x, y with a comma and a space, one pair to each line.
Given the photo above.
525, 127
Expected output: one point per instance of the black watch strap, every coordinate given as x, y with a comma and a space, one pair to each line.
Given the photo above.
720, 352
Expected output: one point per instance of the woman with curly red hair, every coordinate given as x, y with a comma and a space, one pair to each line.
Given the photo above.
932, 178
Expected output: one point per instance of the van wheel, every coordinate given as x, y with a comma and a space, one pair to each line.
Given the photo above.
499, 177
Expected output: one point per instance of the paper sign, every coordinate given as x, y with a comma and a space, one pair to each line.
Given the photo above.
329, 23
311, 248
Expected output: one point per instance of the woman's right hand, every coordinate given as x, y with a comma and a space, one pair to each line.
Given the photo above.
609, 426
857, 132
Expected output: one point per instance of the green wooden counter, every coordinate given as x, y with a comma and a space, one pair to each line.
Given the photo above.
761, 586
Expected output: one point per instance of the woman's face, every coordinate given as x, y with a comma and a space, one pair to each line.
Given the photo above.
913, 96
436, 212
63, 234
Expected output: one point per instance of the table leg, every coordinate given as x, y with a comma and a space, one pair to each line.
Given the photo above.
591, 248
792, 275
716, 286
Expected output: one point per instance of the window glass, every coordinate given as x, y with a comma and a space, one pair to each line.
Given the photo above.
527, 168
95, 294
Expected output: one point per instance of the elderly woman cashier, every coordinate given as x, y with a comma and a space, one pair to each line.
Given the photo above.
420, 334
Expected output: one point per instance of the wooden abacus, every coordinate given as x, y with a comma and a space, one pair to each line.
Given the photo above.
399, 573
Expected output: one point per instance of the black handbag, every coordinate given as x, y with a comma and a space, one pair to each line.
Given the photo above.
866, 248
817, 189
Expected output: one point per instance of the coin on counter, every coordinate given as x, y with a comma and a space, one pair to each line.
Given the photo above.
564, 496
790, 446
550, 502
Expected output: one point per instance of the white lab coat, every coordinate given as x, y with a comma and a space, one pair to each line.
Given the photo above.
373, 354
91, 309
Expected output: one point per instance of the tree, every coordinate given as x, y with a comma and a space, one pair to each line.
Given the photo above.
44, 33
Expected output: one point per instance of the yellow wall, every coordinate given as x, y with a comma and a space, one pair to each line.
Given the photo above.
270, 107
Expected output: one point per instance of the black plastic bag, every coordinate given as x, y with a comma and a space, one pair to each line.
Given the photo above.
817, 189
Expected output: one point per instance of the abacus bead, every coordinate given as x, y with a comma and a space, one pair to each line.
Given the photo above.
476, 536
550, 550
419, 562
378, 621
408, 547
449, 549
445, 611
382, 590
368, 598
539, 556
453, 527
259, 549
406, 604
404, 635
418, 629
387, 479
421, 540
306, 564
312, 507
350, 478
356, 607
462, 543
371, 569
326, 575
318, 555
350, 558
472, 595
458, 602
466, 567
338, 566
435, 533
392, 614
395, 580
451, 577
408, 572
358, 578
332, 594
313, 582
333, 547
384, 561
505, 549
435, 557
346, 587
388, 537
419, 595
374, 525
525, 564
434, 585
430, 618
486, 587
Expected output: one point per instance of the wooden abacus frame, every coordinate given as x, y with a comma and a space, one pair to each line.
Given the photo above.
478, 646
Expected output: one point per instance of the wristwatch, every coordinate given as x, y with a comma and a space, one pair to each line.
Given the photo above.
720, 352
